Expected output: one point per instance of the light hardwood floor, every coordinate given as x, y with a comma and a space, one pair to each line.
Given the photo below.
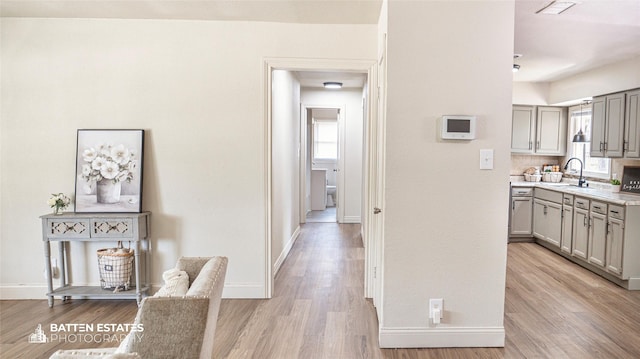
553, 309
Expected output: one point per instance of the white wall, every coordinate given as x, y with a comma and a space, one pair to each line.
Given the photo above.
285, 129
620, 76
530, 93
352, 151
446, 220
196, 87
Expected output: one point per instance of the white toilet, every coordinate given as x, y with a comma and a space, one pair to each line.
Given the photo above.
331, 196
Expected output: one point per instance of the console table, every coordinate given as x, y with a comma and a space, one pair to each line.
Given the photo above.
97, 227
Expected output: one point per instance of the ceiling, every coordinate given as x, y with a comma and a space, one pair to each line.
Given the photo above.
590, 34
317, 78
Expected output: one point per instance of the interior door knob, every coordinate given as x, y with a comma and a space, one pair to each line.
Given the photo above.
376, 210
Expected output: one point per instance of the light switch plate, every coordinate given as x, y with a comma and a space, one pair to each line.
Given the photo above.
486, 159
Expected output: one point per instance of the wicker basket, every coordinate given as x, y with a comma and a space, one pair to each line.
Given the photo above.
116, 266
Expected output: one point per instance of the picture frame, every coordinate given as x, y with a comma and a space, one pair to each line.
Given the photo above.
109, 171
630, 180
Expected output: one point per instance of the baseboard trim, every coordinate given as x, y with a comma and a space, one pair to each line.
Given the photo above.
442, 337
14, 292
244, 291
351, 219
231, 290
286, 250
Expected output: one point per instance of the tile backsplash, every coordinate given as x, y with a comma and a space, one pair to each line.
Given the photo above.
519, 163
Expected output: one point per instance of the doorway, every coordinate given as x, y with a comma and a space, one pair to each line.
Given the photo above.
322, 163
282, 225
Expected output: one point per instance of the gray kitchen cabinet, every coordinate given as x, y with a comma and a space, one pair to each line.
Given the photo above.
567, 223
523, 128
551, 131
632, 125
615, 239
598, 233
547, 216
580, 228
607, 125
598, 230
539, 130
521, 218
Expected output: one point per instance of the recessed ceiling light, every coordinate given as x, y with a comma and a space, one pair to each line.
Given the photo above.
555, 7
516, 68
332, 85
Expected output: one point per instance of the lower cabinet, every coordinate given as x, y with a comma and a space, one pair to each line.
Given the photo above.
580, 245
567, 228
598, 233
547, 221
521, 212
615, 239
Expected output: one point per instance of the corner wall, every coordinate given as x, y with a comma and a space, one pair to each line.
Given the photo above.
285, 143
446, 220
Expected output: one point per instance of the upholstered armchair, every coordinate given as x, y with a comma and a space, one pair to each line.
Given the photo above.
173, 326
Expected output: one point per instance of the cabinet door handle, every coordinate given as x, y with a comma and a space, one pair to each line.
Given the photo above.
513, 205
530, 145
625, 145
584, 222
601, 146
545, 210
538, 145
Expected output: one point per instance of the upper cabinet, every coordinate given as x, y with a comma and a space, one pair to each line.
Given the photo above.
632, 125
607, 125
539, 130
523, 129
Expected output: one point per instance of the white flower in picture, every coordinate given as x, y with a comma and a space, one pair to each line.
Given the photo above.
120, 154
89, 154
98, 163
115, 163
109, 170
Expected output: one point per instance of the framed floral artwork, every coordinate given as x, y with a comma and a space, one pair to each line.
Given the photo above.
109, 171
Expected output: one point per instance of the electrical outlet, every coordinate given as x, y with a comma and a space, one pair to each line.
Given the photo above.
436, 306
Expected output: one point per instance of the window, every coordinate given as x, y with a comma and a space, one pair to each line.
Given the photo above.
325, 139
593, 167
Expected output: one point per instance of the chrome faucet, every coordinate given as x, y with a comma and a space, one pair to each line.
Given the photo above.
581, 180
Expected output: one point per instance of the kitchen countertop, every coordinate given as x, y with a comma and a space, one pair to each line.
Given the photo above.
621, 198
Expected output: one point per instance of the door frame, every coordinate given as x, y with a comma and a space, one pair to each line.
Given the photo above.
269, 64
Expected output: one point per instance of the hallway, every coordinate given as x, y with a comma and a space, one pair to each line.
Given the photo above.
318, 309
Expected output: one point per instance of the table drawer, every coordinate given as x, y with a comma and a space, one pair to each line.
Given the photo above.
111, 227
67, 228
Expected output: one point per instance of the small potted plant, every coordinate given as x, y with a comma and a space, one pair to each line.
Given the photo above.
615, 185
59, 202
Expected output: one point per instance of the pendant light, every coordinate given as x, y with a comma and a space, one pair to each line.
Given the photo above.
580, 137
